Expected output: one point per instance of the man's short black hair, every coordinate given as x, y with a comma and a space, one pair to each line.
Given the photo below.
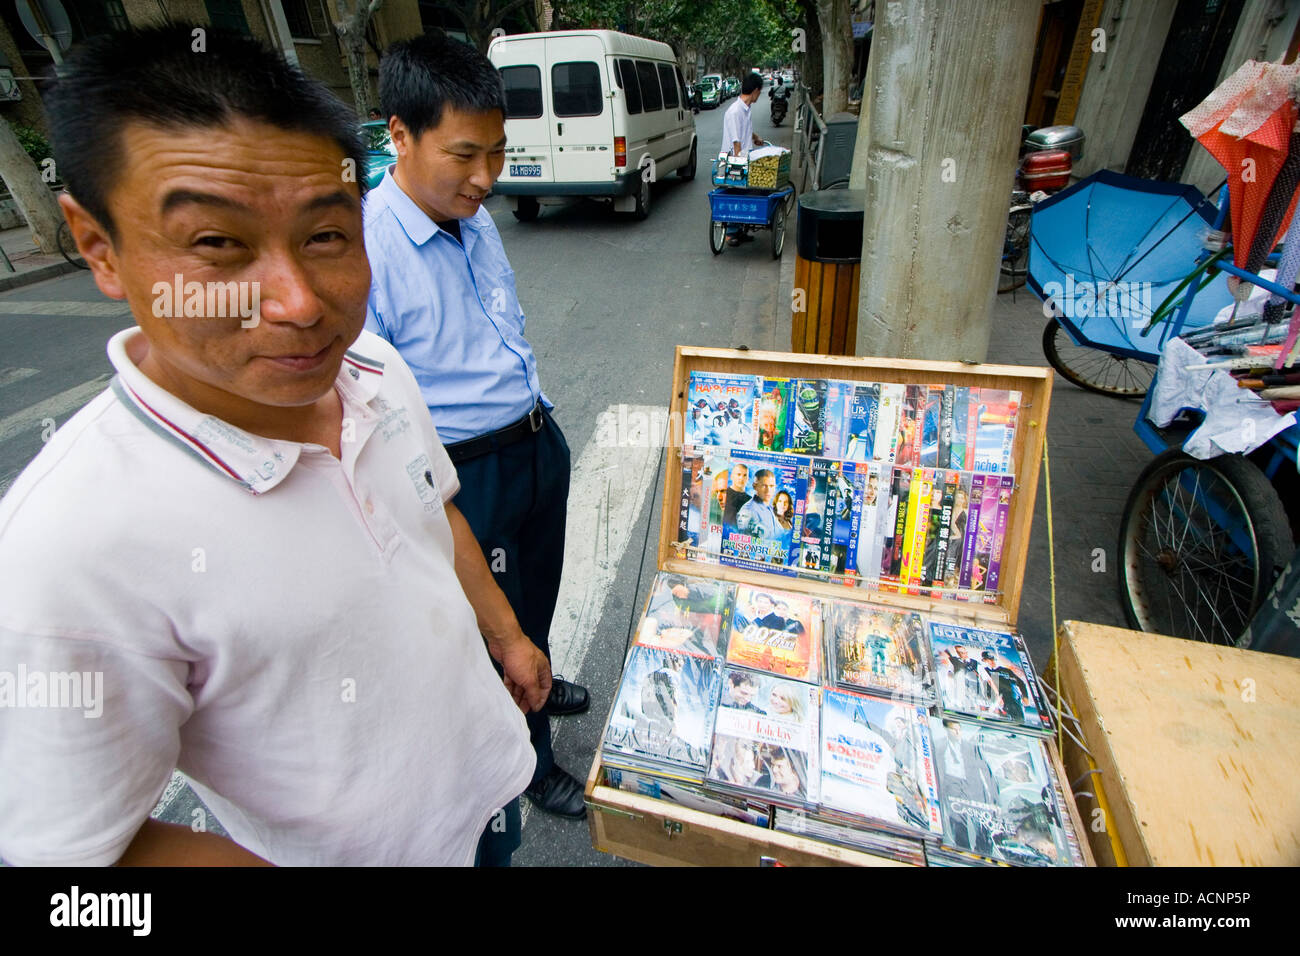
174, 77
750, 83
422, 76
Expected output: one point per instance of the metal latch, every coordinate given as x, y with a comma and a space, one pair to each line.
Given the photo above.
673, 827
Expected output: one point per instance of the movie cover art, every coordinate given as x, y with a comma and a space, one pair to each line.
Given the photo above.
765, 737
686, 614
775, 631
876, 762
860, 424
845, 487
716, 496
771, 415
839, 405
997, 795
808, 416
720, 410
981, 674
763, 514
665, 708
880, 651
995, 429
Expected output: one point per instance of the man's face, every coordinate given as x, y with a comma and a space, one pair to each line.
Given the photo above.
449, 169
961, 652
764, 488
739, 477
743, 692
762, 605
784, 776
244, 203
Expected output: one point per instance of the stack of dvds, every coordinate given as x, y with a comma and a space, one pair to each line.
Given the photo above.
1001, 801
876, 728
765, 733
658, 736
906, 489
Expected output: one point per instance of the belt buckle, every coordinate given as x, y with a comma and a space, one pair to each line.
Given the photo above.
535, 419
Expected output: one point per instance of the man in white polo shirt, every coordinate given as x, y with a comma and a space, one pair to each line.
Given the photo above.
248, 542
738, 135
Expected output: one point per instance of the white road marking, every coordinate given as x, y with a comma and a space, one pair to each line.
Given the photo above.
10, 375
29, 307
607, 493
54, 406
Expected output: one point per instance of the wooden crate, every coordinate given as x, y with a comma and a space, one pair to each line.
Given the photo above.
659, 832
1197, 746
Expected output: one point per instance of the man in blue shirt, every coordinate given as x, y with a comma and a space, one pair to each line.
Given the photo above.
756, 516
444, 295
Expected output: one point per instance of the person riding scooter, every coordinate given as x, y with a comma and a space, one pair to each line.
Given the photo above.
779, 94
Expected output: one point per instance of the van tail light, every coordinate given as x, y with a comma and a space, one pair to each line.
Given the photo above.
620, 150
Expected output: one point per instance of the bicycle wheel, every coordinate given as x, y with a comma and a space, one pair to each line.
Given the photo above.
1093, 369
1015, 250
717, 236
68, 246
1200, 544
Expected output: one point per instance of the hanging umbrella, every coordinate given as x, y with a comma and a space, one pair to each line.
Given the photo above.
1249, 125
1110, 249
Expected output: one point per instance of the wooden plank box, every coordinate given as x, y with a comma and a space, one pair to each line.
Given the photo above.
1196, 746
663, 833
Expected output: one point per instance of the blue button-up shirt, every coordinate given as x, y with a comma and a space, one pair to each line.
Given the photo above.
452, 313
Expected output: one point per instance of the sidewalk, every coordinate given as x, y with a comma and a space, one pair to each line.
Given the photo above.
30, 265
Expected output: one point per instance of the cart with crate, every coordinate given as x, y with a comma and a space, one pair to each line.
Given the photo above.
654, 831
753, 194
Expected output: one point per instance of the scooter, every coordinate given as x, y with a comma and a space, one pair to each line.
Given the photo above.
779, 106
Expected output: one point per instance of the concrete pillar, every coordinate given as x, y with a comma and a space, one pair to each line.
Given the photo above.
1262, 33
1118, 81
946, 101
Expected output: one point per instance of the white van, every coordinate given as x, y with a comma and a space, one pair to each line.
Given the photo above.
591, 113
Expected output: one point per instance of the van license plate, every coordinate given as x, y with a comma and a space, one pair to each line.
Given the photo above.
526, 169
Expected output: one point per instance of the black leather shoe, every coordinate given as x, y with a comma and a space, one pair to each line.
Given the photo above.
566, 698
558, 793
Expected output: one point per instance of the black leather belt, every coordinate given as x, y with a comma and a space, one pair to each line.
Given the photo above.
530, 424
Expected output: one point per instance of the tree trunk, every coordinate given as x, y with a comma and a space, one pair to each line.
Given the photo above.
947, 99
837, 54
351, 28
30, 193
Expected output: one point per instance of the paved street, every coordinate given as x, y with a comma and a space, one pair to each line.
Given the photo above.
607, 300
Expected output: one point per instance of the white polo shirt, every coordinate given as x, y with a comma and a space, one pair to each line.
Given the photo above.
285, 627
738, 127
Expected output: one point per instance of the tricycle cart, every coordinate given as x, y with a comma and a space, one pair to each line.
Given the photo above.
752, 209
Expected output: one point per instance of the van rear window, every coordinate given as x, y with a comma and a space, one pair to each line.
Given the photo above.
669, 84
575, 89
523, 91
649, 86
631, 85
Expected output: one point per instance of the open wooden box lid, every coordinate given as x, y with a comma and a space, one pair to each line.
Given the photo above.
1033, 384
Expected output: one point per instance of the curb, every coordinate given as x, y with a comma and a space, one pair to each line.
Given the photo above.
10, 280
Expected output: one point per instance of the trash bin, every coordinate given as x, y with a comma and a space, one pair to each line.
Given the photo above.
827, 269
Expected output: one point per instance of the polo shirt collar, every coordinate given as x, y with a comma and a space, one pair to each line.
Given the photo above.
415, 222
255, 463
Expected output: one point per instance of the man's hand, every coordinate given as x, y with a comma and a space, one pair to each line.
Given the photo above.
528, 672
757, 140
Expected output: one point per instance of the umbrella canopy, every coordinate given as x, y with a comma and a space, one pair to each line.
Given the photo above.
1249, 125
1110, 249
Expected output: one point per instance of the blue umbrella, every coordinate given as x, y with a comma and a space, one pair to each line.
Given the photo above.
1110, 249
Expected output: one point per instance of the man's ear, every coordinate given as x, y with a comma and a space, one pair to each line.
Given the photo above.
95, 246
402, 139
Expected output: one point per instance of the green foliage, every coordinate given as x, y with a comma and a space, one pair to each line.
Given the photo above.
733, 35
33, 141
